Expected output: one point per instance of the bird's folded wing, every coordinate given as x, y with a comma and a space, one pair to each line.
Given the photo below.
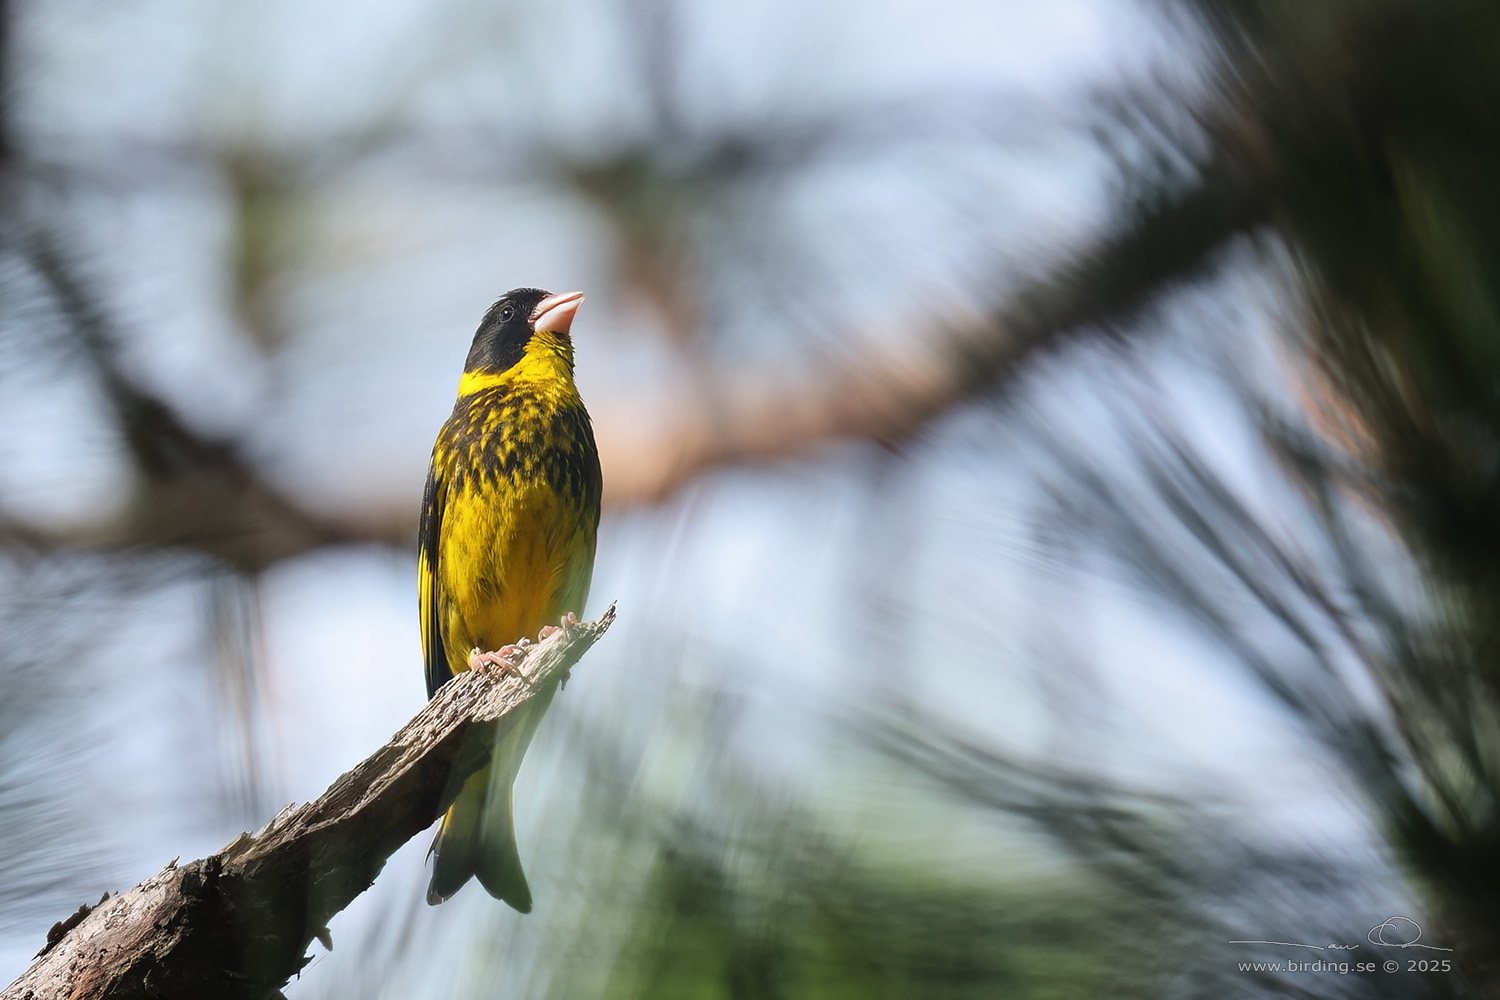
433, 654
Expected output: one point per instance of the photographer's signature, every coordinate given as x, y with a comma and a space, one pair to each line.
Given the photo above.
1393, 932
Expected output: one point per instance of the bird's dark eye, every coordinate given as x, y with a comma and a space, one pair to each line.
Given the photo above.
507, 314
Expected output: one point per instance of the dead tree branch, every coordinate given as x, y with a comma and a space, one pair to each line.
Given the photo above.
238, 924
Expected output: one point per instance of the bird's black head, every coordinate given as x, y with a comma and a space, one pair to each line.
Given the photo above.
505, 331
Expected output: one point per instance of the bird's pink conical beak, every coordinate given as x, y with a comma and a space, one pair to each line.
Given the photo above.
555, 312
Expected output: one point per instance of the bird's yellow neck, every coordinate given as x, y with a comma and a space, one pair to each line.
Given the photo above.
548, 363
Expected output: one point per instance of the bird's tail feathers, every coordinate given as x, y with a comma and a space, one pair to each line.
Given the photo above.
499, 862
478, 837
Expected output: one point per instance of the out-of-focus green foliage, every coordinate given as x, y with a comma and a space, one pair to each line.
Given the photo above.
1378, 119
834, 931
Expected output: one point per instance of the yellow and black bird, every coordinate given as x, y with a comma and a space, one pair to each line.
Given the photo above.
509, 520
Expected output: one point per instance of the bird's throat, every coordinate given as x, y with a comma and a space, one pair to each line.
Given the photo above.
547, 363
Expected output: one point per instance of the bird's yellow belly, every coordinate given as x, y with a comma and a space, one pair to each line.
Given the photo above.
512, 561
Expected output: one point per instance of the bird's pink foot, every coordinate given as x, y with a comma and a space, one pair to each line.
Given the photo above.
548, 631
499, 659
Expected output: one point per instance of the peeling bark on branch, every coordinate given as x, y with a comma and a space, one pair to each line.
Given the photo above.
238, 924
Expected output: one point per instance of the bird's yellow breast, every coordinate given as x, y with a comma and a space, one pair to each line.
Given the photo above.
519, 508
511, 560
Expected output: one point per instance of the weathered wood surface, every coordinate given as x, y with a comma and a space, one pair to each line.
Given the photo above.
239, 923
